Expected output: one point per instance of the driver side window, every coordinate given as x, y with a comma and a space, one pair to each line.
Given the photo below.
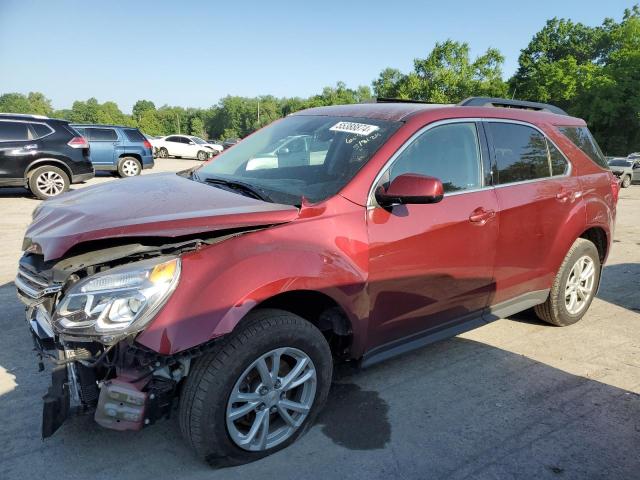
449, 152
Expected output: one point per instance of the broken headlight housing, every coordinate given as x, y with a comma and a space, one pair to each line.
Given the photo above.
117, 302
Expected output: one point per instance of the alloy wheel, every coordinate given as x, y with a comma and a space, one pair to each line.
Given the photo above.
580, 285
50, 183
130, 168
271, 399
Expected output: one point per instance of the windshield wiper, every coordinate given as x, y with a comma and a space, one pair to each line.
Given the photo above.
236, 186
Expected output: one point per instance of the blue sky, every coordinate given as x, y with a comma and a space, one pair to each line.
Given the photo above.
192, 53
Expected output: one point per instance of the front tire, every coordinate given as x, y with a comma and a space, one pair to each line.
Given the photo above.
258, 391
202, 156
626, 181
574, 287
48, 182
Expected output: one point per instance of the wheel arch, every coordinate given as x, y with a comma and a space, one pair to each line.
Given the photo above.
598, 236
137, 156
41, 162
319, 309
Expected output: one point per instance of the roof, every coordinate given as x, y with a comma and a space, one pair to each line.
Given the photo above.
100, 125
403, 111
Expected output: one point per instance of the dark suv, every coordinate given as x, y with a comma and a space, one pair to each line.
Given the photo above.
395, 225
42, 154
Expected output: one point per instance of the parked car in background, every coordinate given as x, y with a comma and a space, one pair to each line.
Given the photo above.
123, 150
230, 142
296, 150
626, 169
186, 146
42, 154
235, 298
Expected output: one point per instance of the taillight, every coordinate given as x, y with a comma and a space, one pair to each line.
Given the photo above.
78, 142
147, 144
615, 187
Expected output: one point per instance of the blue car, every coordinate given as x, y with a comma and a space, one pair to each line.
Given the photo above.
124, 150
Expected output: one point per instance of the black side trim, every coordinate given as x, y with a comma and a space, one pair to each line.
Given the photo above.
453, 328
515, 305
55, 404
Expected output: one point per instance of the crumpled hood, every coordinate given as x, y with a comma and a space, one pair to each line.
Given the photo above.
163, 205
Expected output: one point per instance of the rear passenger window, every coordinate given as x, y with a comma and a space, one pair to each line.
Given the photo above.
134, 135
582, 138
102, 134
41, 129
450, 153
13, 131
559, 164
520, 151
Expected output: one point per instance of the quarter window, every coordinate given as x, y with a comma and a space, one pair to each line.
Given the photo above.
40, 130
582, 138
172, 139
102, 135
450, 153
520, 152
14, 131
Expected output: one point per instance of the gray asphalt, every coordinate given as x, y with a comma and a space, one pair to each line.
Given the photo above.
514, 399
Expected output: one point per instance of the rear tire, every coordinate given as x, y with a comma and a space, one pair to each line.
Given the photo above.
574, 287
48, 182
163, 153
206, 408
129, 167
626, 181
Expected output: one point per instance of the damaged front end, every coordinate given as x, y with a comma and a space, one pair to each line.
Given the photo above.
84, 313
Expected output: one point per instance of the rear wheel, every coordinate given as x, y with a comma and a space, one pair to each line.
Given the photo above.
163, 152
574, 287
129, 167
258, 391
48, 181
626, 181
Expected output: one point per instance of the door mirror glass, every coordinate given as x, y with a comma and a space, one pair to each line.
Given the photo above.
410, 188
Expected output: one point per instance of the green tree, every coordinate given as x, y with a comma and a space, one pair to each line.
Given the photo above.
446, 75
140, 107
35, 103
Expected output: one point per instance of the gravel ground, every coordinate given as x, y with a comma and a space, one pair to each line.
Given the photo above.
513, 399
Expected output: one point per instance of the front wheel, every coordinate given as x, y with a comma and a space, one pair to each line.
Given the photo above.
258, 391
626, 181
574, 287
202, 156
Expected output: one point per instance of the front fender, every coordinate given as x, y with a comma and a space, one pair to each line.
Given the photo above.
221, 283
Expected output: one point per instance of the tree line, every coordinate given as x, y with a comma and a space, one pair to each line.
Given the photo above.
592, 72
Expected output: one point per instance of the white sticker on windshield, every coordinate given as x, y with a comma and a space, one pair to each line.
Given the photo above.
352, 127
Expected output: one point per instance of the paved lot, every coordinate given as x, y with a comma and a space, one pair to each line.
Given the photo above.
514, 399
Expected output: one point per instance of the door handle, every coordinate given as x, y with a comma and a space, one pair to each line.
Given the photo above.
567, 195
33, 146
480, 216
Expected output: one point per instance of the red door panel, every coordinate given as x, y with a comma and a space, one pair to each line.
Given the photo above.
430, 264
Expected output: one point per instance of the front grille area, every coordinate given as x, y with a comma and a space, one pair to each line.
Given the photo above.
34, 286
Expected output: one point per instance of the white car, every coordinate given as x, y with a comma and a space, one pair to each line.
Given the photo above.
185, 146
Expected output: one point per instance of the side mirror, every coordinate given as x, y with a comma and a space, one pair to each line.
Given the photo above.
283, 151
410, 188
191, 142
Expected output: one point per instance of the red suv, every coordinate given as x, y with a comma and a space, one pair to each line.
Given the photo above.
344, 233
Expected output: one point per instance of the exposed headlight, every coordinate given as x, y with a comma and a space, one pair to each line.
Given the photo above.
117, 302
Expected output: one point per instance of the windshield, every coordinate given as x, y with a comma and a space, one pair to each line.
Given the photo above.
620, 163
301, 156
198, 140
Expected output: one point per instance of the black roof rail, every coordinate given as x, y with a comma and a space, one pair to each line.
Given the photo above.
507, 103
399, 100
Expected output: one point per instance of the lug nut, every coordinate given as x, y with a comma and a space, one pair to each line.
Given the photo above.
278, 384
263, 390
273, 409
